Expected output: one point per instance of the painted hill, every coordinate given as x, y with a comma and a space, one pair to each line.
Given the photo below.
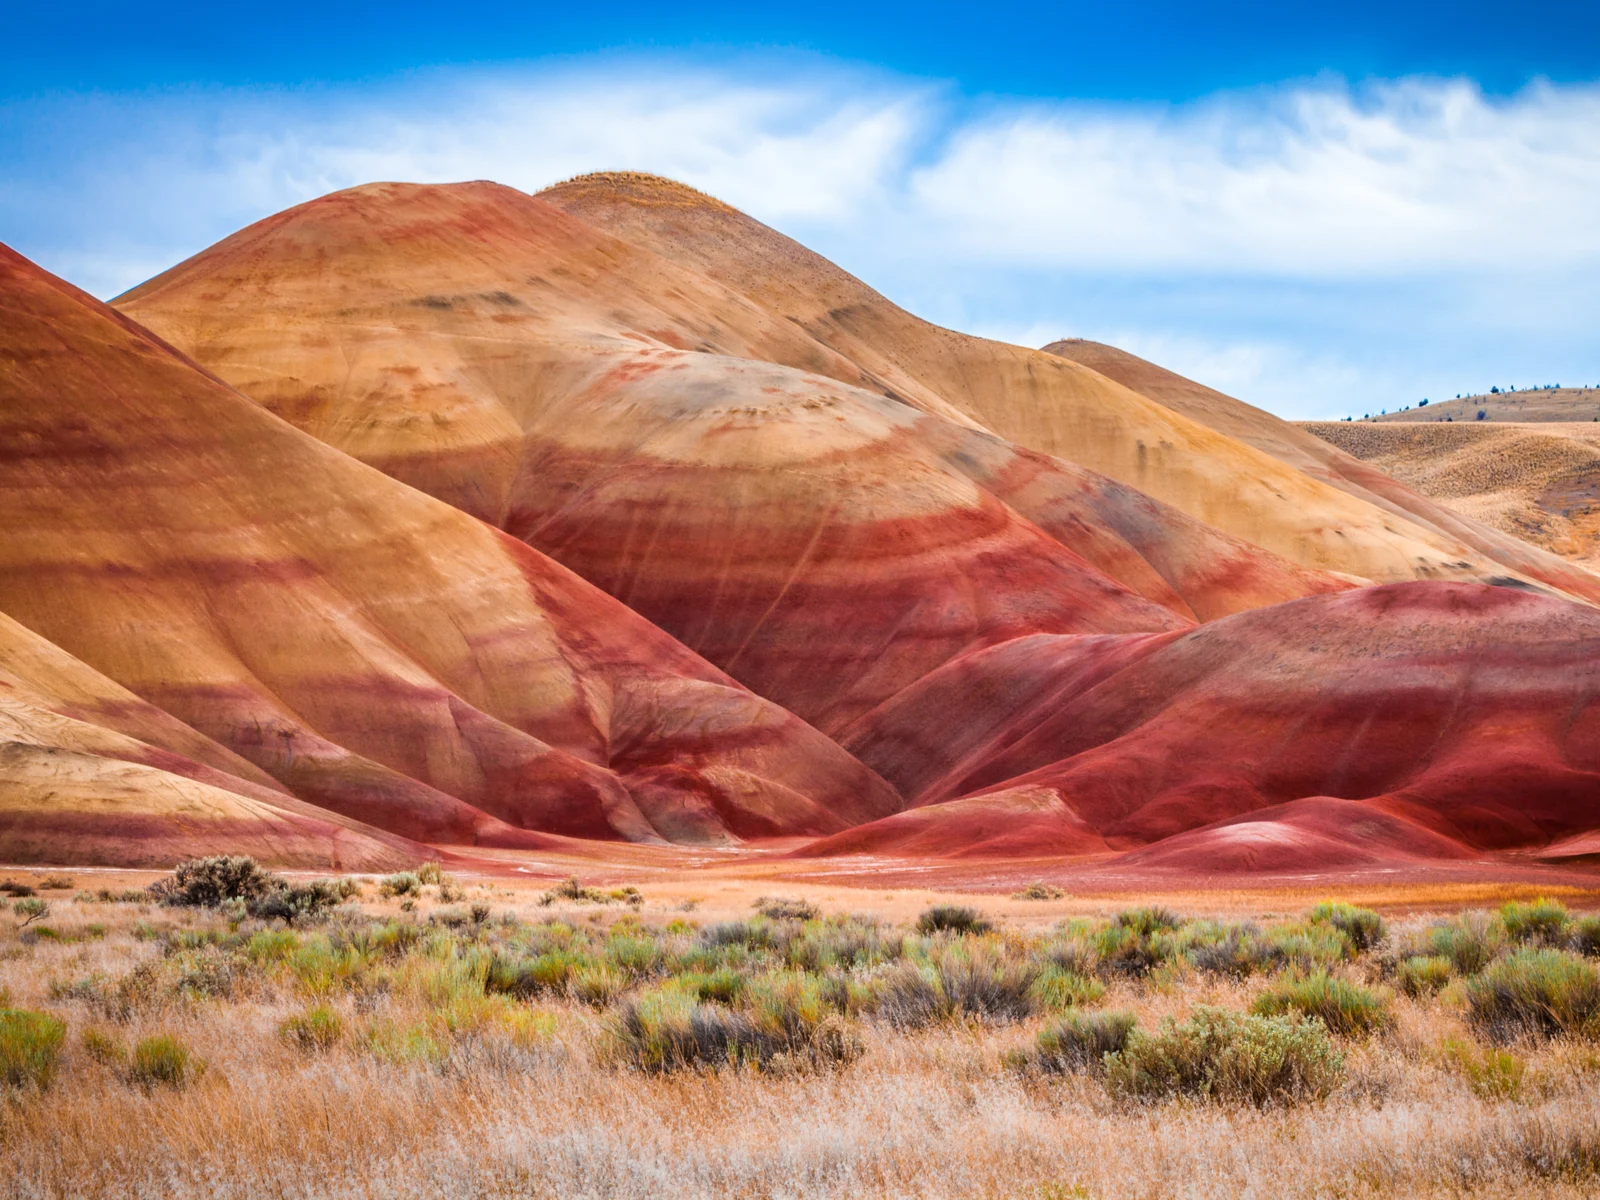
377, 653
622, 451
1539, 481
1329, 462
1045, 402
91, 774
1410, 721
675, 444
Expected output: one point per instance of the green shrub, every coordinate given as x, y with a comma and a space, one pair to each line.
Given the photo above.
210, 882
1080, 1042
163, 1061
909, 996
986, 979
1422, 975
1536, 992
1362, 926
756, 934
634, 954
1148, 920
951, 918
845, 942
1227, 1056
786, 908
31, 910
723, 985
1235, 950
1038, 890
597, 985
431, 872
784, 1016
297, 901
1541, 922
1586, 935
1344, 1007
1470, 941
319, 1028
1055, 990
30, 1045
1312, 946
1074, 952
404, 884
1137, 947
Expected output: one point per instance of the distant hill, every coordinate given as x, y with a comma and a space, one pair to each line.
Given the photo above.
1540, 405
1537, 480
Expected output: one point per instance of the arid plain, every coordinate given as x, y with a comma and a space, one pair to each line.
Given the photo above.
760, 743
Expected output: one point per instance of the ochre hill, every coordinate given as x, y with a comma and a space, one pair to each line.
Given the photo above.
1047, 403
1328, 462
91, 774
376, 652
1538, 481
1410, 721
825, 544
1561, 405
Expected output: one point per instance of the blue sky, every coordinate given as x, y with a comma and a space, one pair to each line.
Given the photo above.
1322, 209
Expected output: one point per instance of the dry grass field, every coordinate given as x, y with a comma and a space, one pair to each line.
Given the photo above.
1536, 481
485, 1037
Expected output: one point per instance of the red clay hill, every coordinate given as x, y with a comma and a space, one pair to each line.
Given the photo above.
611, 513
327, 632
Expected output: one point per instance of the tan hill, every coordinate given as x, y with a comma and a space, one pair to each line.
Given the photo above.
1537, 482
91, 774
1331, 462
1532, 406
1044, 402
825, 544
376, 652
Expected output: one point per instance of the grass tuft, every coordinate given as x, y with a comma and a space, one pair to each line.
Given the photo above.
163, 1061
30, 1046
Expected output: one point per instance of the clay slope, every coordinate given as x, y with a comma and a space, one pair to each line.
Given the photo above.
1042, 401
1325, 461
823, 543
1414, 720
1538, 482
376, 652
91, 774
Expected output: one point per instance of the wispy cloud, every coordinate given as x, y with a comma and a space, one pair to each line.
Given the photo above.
1415, 197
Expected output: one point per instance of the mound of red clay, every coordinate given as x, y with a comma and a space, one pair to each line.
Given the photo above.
824, 544
379, 654
1316, 834
1473, 711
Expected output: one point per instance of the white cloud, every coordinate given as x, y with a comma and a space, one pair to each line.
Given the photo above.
1378, 241
1311, 181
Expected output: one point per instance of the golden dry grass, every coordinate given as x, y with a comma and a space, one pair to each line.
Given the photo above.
530, 1100
1539, 482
